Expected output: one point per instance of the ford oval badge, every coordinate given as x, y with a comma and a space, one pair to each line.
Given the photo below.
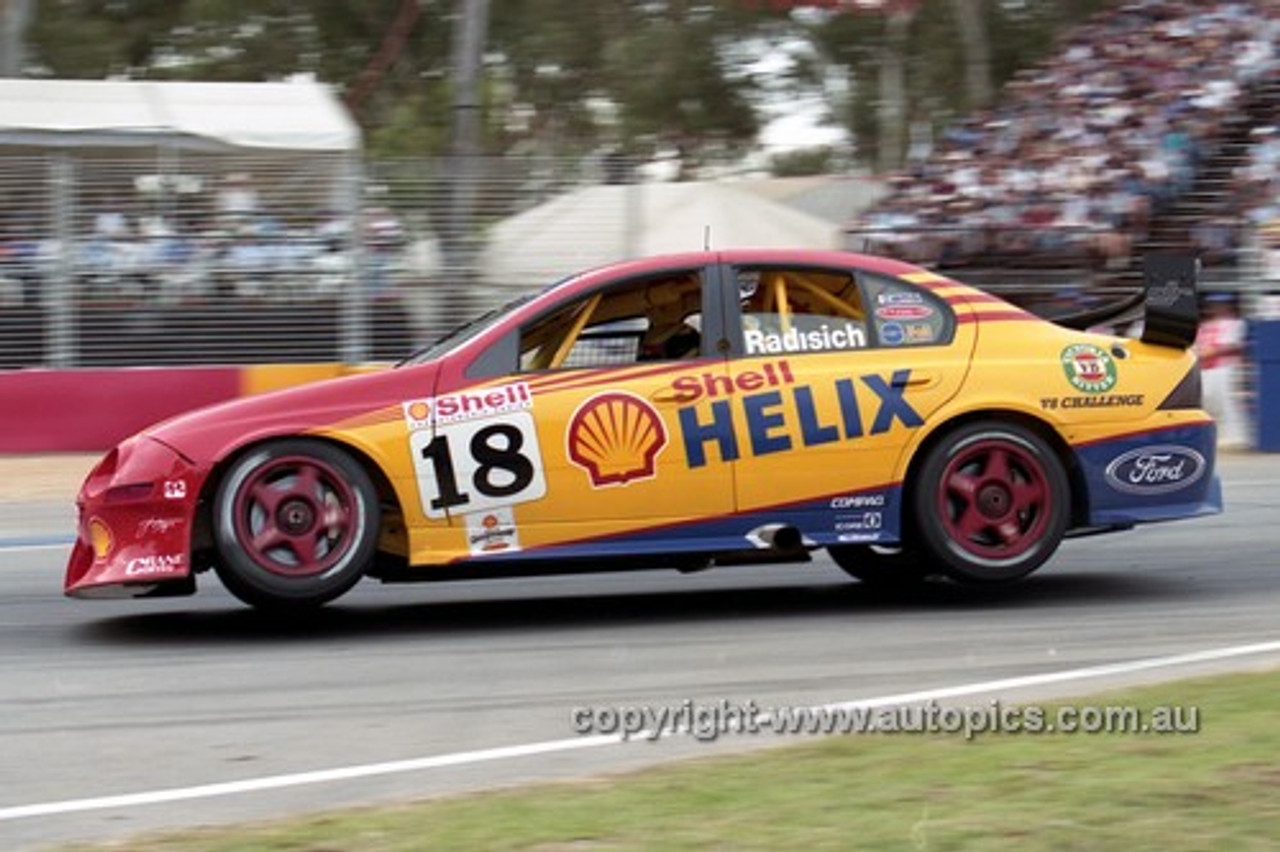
1155, 470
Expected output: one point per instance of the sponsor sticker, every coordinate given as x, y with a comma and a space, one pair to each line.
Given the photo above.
1157, 469
857, 501
892, 333
417, 414
899, 297
100, 538
466, 405
616, 437
904, 312
165, 563
865, 522
493, 531
1166, 295
175, 489
919, 332
1111, 400
792, 416
156, 526
1089, 368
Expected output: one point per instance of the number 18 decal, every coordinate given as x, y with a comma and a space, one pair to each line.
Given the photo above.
477, 465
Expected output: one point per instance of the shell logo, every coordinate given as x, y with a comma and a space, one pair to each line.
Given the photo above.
616, 437
417, 414
100, 538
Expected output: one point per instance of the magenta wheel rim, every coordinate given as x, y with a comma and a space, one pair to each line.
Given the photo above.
295, 517
995, 500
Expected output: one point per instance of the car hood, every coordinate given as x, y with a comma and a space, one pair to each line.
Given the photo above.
208, 433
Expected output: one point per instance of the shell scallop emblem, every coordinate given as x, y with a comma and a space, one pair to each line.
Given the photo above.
417, 414
616, 437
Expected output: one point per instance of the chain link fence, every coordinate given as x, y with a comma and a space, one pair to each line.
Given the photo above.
203, 259
169, 258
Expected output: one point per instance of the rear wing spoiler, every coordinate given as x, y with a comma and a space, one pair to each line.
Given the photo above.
1167, 303
1172, 311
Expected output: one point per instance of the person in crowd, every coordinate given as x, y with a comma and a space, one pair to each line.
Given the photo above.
1220, 345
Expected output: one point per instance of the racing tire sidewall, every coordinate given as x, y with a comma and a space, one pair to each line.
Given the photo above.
242, 574
937, 535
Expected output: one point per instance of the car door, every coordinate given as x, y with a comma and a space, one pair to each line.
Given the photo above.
607, 373
837, 369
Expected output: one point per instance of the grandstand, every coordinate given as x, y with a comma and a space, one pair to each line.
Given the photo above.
1137, 136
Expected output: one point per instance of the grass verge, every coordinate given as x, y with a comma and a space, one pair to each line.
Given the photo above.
1216, 788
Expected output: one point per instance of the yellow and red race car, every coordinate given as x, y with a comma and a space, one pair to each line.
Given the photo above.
681, 411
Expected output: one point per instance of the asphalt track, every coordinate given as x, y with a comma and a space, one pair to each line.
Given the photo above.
118, 717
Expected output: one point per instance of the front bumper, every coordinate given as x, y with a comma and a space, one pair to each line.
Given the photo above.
136, 511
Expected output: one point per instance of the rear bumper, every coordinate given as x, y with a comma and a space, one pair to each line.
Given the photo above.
1158, 475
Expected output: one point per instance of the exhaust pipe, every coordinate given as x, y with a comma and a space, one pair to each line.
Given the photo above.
780, 538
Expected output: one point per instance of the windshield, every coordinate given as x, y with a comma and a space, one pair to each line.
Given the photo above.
462, 333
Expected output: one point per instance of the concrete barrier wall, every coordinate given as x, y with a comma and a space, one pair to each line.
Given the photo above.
55, 411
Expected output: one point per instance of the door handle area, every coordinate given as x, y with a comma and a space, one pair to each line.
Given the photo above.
922, 379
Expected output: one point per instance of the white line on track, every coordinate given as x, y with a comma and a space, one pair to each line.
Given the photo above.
347, 773
44, 545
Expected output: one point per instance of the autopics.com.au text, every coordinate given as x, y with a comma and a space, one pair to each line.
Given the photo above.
711, 720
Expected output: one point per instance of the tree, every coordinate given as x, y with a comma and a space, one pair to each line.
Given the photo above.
636, 76
564, 77
942, 76
223, 40
15, 16
634, 73
970, 17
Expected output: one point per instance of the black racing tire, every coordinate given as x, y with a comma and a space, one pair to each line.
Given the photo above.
295, 523
991, 502
881, 567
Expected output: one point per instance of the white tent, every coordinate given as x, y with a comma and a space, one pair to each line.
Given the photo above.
600, 224
217, 117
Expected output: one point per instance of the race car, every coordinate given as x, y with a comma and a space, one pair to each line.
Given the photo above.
684, 411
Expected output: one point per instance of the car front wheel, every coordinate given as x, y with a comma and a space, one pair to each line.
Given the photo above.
991, 502
295, 522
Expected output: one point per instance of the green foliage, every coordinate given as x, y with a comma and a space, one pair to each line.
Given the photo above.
563, 77
673, 91
657, 65
802, 162
1019, 35
408, 129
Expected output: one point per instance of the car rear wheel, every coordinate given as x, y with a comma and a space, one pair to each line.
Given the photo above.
991, 502
295, 523
881, 566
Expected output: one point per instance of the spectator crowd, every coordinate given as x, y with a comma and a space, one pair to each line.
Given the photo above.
1081, 152
239, 250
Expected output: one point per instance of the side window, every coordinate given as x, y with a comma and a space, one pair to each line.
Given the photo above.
800, 310
655, 319
904, 315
